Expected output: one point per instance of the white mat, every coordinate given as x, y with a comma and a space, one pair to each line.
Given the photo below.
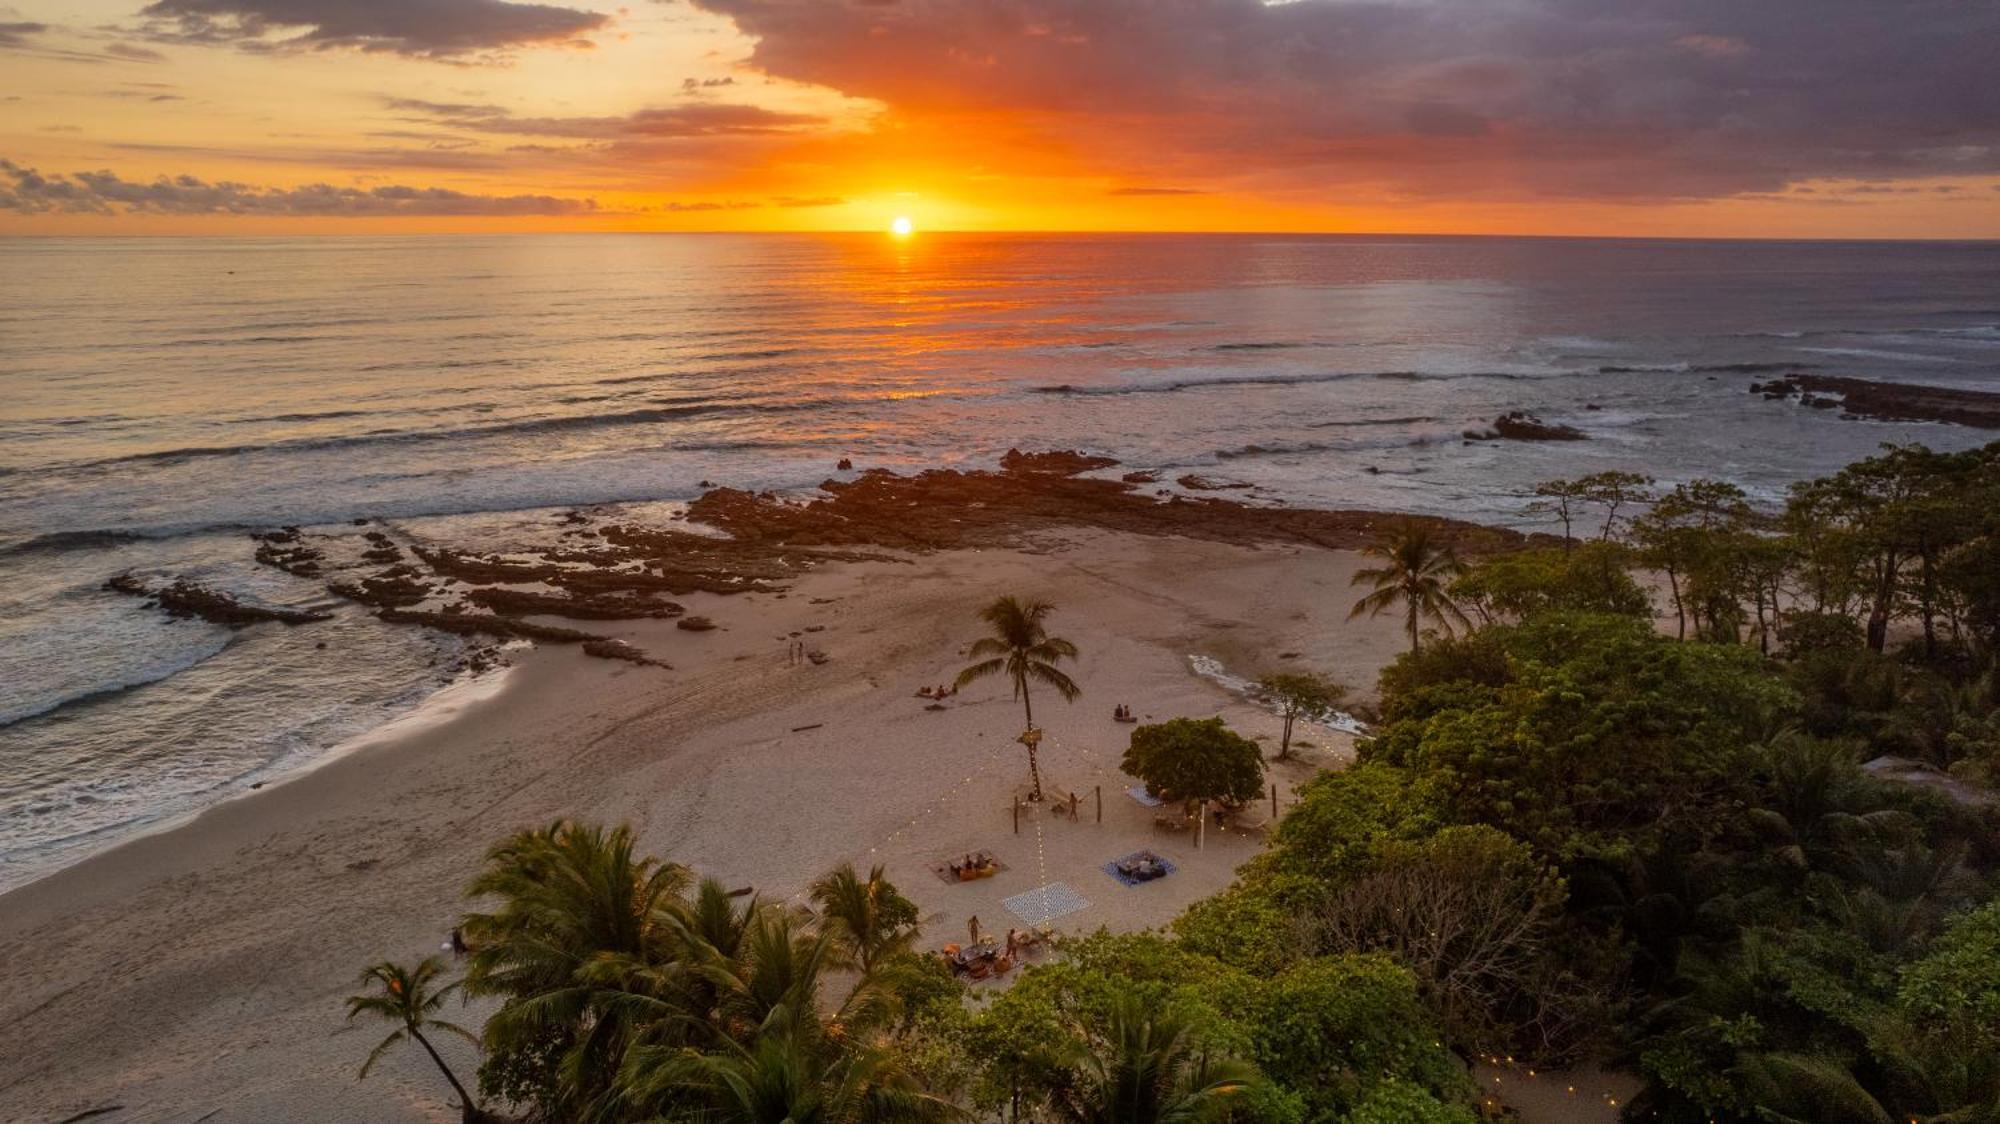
1045, 903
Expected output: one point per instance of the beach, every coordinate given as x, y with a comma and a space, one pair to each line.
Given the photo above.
200, 970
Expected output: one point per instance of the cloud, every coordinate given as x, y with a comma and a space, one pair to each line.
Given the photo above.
19, 34
1602, 99
807, 201
435, 29
704, 120
27, 191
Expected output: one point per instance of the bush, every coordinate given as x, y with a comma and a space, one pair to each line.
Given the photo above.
1196, 759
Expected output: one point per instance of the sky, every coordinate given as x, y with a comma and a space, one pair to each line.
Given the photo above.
1640, 118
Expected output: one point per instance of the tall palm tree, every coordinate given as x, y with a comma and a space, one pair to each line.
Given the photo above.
408, 998
1148, 1069
582, 945
871, 917
1021, 648
1416, 569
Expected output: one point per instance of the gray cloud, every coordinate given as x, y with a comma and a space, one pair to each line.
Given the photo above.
1440, 98
19, 34
703, 120
439, 29
27, 191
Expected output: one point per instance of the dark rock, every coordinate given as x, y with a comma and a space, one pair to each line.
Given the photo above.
845, 465
1888, 401
1520, 425
184, 599
695, 624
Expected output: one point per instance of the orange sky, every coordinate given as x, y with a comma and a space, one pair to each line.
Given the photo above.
330, 116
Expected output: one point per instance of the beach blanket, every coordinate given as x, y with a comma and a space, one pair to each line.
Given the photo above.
1111, 867
1045, 903
1138, 792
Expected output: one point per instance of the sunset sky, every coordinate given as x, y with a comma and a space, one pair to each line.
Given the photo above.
1782, 118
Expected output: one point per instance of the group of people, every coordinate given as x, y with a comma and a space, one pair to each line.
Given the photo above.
982, 957
1143, 868
1123, 713
976, 865
941, 691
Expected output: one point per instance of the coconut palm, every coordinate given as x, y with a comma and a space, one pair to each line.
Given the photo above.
1021, 648
1148, 1068
1416, 569
870, 916
410, 998
787, 1073
583, 945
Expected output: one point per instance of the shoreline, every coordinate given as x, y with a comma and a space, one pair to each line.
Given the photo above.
218, 949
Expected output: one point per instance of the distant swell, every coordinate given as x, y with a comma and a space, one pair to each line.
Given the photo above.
1276, 380
135, 680
524, 427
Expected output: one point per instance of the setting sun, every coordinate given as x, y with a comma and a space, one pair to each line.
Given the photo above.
902, 227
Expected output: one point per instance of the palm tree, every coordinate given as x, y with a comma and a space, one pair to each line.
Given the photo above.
1021, 648
1148, 1069
785, 1074
405, 996
1416, 568
583, 945
871, 917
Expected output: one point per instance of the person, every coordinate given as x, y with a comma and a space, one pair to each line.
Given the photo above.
972, 927
457, 941
1013, 937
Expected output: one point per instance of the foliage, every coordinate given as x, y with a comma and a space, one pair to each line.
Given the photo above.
1588, 578
410, 998
1193, 759
1416, 570
1300, 694
1019, 646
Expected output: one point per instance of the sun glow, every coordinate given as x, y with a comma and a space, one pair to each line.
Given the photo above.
902, 227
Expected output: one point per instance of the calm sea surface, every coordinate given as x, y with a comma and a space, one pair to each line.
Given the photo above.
159, 397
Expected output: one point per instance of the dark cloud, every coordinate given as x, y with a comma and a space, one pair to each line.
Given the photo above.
441, 29
19, 34
678, 121
28, 191
693, 84
1440, 98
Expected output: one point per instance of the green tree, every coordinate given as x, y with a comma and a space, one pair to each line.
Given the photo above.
1567, 500
1147, 1067
411, 998
1195, 760
1021, 648
581, 925
1299, 694
1417, 567
1589, 578
872, 918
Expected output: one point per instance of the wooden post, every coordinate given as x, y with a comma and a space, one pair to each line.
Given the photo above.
1274, 801
1100, 803
1017, 816
1200, 823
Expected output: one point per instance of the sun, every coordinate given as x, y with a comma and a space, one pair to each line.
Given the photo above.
902, 227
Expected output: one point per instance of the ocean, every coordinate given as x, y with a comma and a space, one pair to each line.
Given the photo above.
160, 398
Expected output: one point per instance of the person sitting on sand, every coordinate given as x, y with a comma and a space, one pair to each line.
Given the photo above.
924, 692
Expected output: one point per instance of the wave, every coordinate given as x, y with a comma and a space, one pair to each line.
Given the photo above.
1203, 382
1879, 353
1708, 368
58, 542
138, 677
522, 427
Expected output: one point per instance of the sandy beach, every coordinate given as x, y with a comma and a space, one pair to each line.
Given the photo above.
198, 973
